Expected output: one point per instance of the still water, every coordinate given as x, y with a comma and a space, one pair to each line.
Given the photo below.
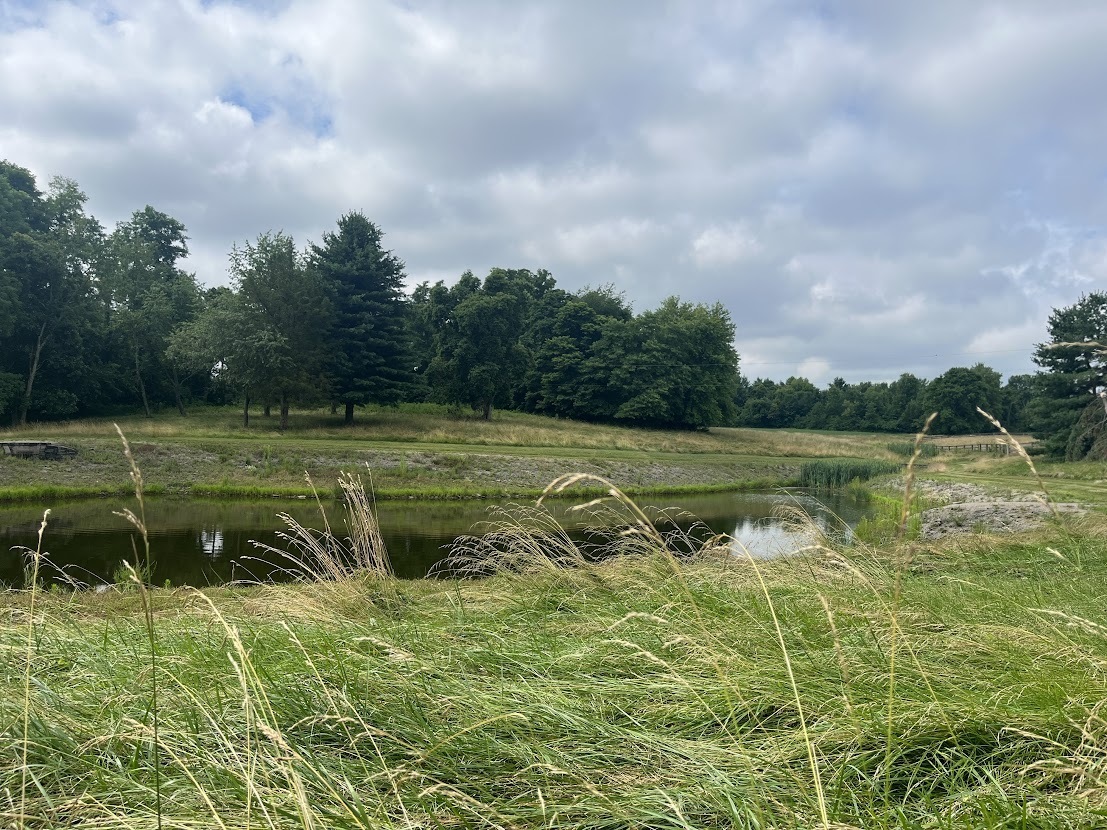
204, 542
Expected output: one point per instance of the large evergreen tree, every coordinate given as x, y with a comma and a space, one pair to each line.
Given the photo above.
1068, 412
369, 357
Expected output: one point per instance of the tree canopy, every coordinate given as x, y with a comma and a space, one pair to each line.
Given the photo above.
93, 320
1068, 410
368, 355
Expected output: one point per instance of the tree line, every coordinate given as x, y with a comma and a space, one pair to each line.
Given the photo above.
1064, 404
93, 321
900, 406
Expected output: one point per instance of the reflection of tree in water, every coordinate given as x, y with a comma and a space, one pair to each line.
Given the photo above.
202, 542
211, 541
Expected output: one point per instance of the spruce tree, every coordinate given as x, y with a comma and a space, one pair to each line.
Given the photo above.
1069, 411
369, 358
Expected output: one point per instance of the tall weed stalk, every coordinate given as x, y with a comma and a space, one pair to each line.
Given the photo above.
897, 589
36, 561
320, 555
146, 567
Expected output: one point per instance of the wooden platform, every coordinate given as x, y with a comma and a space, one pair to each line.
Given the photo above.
36, 449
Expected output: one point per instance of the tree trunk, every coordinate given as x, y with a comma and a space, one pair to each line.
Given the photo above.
142, 387
284, 411
265, 411
334, 407
176, 379
349, 413
487, 413
246, 408
36, 359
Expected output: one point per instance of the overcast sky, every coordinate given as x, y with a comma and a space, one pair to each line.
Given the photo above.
870, 187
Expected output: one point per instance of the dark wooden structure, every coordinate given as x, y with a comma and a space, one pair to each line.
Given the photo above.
36, 449
1002, 449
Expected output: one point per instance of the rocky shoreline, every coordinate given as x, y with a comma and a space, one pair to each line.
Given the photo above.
970, 508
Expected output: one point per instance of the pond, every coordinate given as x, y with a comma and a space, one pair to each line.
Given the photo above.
206, 542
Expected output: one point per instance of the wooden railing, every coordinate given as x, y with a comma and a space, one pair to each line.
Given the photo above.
1000, 448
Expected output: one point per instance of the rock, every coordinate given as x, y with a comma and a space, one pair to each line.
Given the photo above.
992, 516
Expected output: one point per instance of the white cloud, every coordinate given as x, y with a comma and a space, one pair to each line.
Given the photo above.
724, 245
815, 369
869, 191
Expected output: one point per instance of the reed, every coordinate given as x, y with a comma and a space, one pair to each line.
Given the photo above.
827, 474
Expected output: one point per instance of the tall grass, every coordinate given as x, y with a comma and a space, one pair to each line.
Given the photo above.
908, 448
139, 573
652, 681
323, 554
826, 474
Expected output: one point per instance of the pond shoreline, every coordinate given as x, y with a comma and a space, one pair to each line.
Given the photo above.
260, 470
30, 494
201, 542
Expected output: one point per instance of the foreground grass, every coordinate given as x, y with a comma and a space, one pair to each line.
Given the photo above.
953, 686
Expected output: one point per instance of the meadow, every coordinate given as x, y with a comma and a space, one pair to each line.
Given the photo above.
957, 683
413, 450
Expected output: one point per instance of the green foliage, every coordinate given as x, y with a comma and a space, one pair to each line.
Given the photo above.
869, 407
368, 357
11, 387
882, 526
285, 310
907, 449
48, 248
956, 395
830, 473
680, 368
1066, 410
478, 358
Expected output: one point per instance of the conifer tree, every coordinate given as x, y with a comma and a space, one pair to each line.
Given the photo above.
369, 358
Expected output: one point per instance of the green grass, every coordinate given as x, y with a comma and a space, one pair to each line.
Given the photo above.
945, 685
906, 449
55, 492
827, 474
641, 692
410, 451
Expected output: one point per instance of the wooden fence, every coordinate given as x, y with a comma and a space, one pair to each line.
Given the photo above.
1001, 449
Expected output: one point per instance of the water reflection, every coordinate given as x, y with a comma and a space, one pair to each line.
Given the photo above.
768, 535
211, 541
201, 542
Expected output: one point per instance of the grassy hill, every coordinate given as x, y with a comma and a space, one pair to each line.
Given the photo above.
411, 450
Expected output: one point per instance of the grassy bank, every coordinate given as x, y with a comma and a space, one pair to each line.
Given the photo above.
947, 686
419, 451
955, 684
431, 424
